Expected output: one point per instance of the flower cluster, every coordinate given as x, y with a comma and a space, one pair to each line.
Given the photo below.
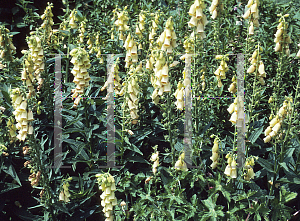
222, 69
215, 8
140, 27
122, 21
233, 110
6, 46
155, 158
117, 80
249, 174
81, 61
180, 164
282, 39
276, 122
90, 45
82, 31
256, 61
232, 88
73, 18
230, 169
37, 57
131, 98
150, 62
22, 116
108, 200
161, 79
48, 21
64, 195
252, 12
154, 28
98, 49
188, 45
167, 39
179, 96
198, 19
34, 178
131, 51
215, 154
26, 75
12, 129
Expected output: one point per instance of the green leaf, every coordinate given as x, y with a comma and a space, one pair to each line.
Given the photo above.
9, 169
255, 134
132, 146
286, 196
165, 176
266, 164
179, 146
5, 187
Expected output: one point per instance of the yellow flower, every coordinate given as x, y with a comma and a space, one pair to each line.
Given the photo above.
180, 164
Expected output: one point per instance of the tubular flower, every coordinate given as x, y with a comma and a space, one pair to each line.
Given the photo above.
150, 62
7, 49
215, 154
198, 19
73, 18
47, 20
155, 158
64, 195
37, 58
232, 88
215, 8
131, 51
230, 169
180, 164
131, 98
90, 45
249, 173
82, 31
27, 74
34, 178
117, 79
121, 22
153, 28
160, 80
80, 60
252, 13
22, 115
282, 39
108, 200
179, 96
98, 49
140, 27
275, 123
167, 39
222, 69
233, 111
257, 65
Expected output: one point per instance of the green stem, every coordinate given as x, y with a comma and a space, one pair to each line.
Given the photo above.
277, 94
68, 55
170, 129
290, 121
